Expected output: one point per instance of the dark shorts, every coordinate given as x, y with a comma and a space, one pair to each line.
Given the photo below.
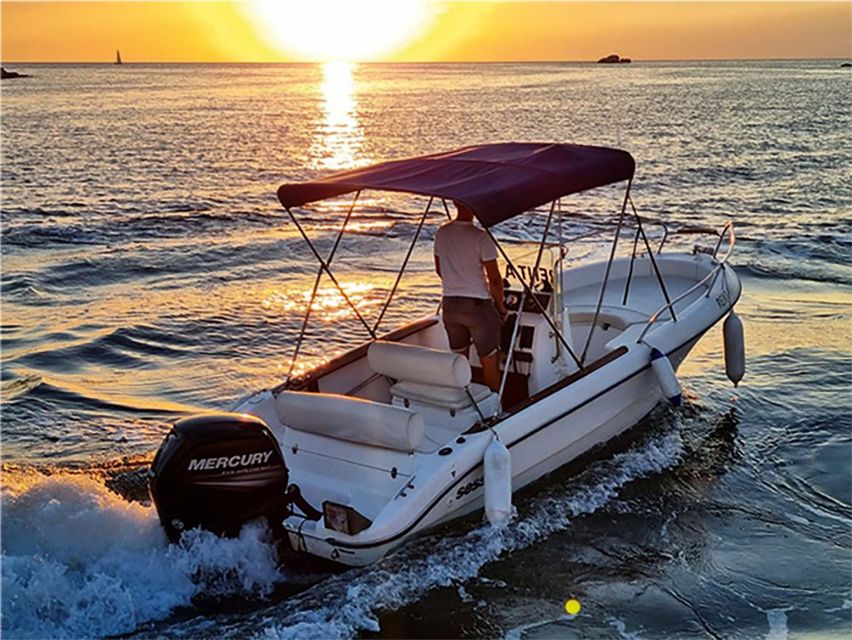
467, 318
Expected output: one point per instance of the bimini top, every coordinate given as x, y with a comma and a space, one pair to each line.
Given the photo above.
496, 181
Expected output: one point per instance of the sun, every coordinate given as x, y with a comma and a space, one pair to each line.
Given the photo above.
340, 30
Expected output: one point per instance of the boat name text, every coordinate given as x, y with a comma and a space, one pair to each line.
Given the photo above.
469, 487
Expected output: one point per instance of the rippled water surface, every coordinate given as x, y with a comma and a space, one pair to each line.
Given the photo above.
148, 271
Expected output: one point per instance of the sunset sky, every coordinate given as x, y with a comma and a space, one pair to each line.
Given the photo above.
421, 30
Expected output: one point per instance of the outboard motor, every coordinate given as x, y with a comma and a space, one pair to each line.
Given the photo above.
218, 471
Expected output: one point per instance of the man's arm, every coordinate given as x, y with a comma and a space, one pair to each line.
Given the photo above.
495, 285
437, 264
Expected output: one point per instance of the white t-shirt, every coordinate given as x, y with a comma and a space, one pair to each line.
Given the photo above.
461, 248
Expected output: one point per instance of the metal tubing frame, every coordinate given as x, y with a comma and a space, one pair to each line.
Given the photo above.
446, 208
317, 280
660, 278
557, 289
714, 274
449, 218
327, 269
665, 236
324, 266
606, 273
543, 311
630, 269
517, 326
404, 265
729, 227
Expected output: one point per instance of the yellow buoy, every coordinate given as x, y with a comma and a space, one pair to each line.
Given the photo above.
572, 607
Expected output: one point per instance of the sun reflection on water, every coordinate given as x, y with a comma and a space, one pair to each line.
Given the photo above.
339, 135
329, 305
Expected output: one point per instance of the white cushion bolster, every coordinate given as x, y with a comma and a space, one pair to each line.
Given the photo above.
446, 397
351, 419
413, 363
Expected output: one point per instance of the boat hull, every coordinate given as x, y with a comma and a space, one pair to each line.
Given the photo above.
581, 427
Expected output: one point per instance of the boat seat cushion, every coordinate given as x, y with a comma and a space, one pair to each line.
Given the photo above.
412, 363
446, 397
352, 419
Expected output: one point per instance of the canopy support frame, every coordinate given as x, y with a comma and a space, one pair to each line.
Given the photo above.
528, 291
318, 278
630, 268
657, 271
517, 326
324, 266
402, 268
607, 272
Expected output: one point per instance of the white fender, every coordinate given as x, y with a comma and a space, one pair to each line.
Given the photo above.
666, 376
498, 484
734, 336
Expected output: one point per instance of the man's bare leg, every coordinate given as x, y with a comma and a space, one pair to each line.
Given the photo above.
491, 370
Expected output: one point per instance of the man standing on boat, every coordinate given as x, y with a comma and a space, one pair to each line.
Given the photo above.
472, 307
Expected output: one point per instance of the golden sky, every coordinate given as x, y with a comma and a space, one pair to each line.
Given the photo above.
415, 30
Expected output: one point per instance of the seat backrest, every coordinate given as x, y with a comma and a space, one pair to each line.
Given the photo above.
412, 363
351, 419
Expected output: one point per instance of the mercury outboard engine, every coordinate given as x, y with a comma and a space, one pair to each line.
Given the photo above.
218, 471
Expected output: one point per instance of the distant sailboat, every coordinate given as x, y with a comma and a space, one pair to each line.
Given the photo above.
118, 57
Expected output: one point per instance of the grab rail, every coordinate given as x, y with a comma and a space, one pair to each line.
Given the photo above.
688, 231
732, 240
665, 236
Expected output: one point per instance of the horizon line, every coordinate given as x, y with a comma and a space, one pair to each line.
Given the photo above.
401, 62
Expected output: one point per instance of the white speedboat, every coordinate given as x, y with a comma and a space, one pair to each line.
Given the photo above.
398, 435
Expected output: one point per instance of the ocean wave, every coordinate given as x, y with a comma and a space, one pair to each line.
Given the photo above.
175, 220
778, 271
11, 390
125, 347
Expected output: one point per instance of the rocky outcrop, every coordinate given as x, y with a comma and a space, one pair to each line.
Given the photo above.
613, 59
7, 75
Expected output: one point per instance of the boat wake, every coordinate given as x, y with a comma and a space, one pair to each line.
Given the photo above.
346, 604
79, 561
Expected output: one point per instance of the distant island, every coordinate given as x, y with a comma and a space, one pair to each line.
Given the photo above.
5, 74
613, 59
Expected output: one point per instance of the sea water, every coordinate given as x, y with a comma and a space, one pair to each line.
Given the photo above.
148, 271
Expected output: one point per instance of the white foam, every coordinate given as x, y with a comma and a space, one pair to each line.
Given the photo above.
777, 619
78, 561
621, 627
344, 605
517, 633
847, 604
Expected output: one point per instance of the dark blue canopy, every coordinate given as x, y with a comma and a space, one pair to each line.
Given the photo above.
496, 181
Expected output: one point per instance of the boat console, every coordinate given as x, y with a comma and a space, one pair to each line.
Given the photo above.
536, 353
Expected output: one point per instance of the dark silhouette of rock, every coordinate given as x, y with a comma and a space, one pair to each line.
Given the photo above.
613, 59
6, 74
846, 65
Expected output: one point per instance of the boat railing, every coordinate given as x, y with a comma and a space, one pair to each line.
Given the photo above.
727, 229
665, 236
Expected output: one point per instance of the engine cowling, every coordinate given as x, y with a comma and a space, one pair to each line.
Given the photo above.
217, 472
